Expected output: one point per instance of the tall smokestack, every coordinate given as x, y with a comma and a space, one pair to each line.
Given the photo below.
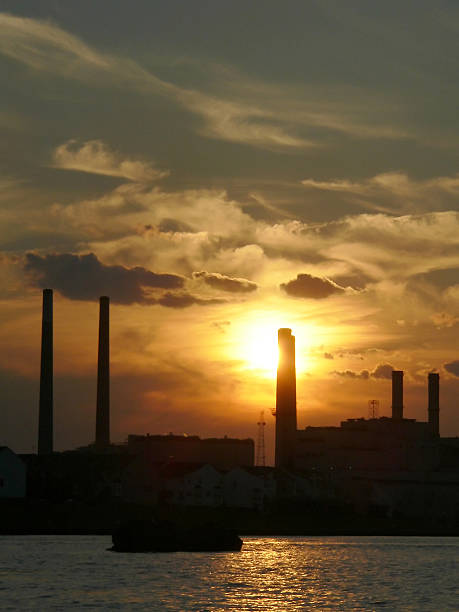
397, 395
45, 411
434, 403
286, 400
103, 376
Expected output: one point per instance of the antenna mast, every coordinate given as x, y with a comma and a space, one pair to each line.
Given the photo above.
261, 441
373, 409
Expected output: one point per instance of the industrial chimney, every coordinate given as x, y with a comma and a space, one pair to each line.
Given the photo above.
103, 376
286, 400
45, 411
397, 395
434, 403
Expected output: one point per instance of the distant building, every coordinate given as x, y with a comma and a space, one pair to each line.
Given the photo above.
388, 443
223, 453
12, 474
368, 444
401, 466
192, 486
75, 475
250, 488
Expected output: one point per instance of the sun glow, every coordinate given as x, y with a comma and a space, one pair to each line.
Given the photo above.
261, 350
257, 347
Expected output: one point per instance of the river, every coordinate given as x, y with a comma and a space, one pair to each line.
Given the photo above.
270, 573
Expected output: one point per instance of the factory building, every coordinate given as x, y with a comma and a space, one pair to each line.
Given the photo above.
388, 443
223, 453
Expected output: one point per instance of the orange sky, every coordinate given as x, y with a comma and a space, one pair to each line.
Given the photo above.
218, 188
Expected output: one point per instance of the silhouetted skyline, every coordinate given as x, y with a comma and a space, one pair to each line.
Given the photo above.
222, 172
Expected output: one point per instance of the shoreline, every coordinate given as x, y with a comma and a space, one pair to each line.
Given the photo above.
101, 517
316, 533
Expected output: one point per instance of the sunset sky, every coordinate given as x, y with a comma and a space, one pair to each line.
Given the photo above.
221, 169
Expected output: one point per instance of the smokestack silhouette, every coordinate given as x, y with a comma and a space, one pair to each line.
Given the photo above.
434, 403
286, 400
103, 376
397, 395
45, 410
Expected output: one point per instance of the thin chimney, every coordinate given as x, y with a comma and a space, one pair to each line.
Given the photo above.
103, 376
397, 395
45, 411
434, 403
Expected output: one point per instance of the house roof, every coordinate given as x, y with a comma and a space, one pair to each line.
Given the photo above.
177, 470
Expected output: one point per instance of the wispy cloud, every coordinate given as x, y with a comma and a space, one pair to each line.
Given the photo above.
184, 300
95, 157
252, 113
44, 46
226, 283
393, 192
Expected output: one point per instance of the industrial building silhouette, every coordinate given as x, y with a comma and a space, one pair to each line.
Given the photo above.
398, 466
388, 443
224, 453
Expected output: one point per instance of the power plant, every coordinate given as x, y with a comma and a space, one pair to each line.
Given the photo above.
391, 465
224, 453
387, 443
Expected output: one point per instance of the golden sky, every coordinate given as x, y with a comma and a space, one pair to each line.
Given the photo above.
220, 172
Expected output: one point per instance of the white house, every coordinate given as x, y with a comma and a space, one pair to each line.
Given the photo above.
193, 486
248, 488
12, 474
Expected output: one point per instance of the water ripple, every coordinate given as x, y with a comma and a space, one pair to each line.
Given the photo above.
348, 573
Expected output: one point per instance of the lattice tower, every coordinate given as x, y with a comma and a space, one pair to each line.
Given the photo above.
373, 409
261, 458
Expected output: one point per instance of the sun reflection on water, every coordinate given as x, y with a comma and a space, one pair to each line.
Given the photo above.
270, 573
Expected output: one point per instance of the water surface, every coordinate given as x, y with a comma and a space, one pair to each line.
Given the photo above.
270, 573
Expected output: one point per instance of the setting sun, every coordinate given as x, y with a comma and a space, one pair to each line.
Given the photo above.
256, 343
261, 349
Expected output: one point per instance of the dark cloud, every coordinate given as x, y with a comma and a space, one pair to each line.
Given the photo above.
365, 374
328, 356
226, 283
453, 367
183, 300
84, 277
441, 278
383, 370
307, 286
